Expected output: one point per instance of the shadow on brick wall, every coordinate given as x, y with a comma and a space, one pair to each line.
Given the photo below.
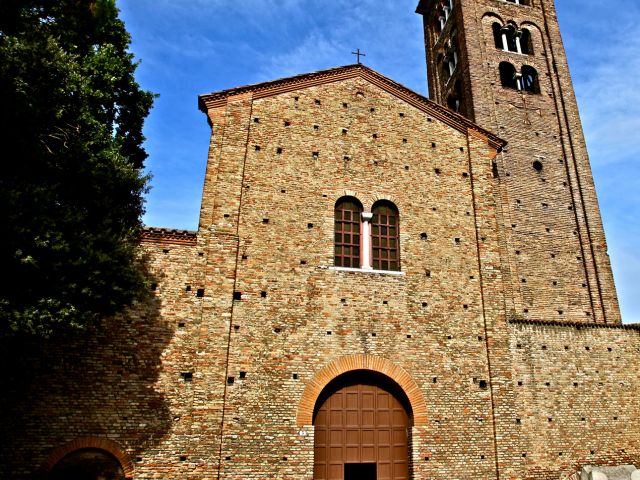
99, 382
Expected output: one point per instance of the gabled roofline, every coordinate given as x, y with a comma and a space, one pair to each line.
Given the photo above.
209, 101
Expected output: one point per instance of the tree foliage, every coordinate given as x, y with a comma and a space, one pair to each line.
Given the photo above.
71, 185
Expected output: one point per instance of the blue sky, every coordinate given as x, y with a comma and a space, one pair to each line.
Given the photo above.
189, 47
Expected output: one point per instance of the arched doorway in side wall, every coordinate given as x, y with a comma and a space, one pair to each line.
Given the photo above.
362, 425
87, 464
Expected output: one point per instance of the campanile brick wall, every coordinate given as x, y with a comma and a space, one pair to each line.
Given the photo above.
554, 251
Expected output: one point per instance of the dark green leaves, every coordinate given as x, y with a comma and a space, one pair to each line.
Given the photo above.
71, 117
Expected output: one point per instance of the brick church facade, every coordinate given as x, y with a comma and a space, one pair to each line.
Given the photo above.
382, 286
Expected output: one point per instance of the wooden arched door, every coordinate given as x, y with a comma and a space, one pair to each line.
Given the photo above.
362, 425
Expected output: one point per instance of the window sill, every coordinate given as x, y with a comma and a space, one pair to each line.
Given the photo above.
502, 50
362, 270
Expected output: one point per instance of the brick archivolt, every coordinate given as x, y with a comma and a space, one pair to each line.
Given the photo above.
84, 443
368, 199
352, 363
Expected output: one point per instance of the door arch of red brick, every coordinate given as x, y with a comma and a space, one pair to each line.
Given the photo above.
365, 362
82, 443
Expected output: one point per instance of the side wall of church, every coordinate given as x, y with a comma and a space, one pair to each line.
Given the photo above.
577, 396
127, 380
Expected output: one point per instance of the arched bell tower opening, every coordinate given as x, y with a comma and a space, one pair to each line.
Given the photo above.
362, 423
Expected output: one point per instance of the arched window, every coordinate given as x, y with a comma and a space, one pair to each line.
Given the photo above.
529, 80
87, 463
508, 77
509, 40
348, 221
450, 61
497, 35
445, 73
524, 39
443, 12
385, 236
454, 100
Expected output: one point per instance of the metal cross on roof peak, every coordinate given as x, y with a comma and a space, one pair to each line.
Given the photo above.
359, 54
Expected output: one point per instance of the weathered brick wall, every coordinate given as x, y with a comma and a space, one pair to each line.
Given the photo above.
297, 315
577, 398
216, 376
121, 381
554, 250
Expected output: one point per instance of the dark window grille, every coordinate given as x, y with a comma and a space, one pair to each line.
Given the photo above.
348, 223
385, 237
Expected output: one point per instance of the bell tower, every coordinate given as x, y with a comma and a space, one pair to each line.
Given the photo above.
502, 64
